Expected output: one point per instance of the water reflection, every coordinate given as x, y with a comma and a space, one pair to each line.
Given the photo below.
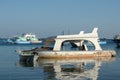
70, 69
25, 64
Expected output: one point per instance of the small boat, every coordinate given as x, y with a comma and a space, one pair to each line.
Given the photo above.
26, 39
81, 51
102, 41
117, 40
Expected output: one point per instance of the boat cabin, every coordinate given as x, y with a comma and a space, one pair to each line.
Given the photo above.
81, 41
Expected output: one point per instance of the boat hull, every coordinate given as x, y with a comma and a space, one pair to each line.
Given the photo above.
20, 42
75, 54
69, 54
27, 42
26, 58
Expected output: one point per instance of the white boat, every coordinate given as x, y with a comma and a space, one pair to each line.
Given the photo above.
82, 51
26, 39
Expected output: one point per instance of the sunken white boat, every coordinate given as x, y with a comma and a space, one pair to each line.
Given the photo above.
82, 42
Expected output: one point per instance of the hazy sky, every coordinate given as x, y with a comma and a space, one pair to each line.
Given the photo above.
52, 17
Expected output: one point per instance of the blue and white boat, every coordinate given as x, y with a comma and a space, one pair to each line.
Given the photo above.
26, 39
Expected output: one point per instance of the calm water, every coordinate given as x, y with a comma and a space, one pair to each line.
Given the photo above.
66, 69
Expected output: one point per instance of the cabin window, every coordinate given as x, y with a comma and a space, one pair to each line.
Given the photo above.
82, 45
